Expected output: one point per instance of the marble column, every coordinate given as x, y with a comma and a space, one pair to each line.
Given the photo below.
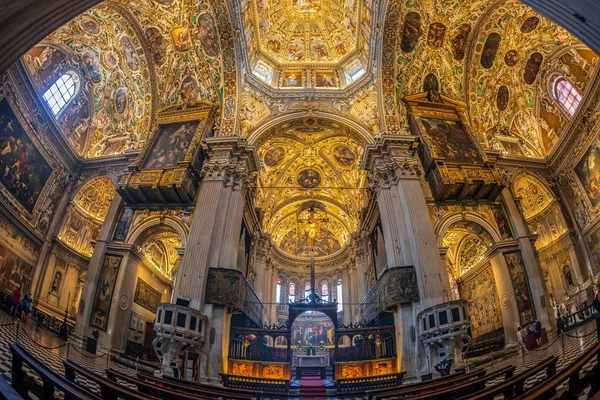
506, 296
82, 327
409, 238
530, 259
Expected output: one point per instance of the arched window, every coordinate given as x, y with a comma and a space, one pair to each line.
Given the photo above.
306, 290
62, 91
567, 95
292, 293
278, 292
324, 291
340, 297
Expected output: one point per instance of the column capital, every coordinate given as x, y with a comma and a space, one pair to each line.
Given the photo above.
230, 159
390, 159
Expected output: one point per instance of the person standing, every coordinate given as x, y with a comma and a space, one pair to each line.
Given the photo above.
26, 307
597, 308
537, 332
521, 341
16, 298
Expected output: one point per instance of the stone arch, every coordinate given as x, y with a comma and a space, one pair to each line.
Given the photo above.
446, 223
155, 222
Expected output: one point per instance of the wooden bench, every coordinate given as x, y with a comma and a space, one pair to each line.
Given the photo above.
432, 385
109, 390
7, 392
50, 379
468, 388
362, 385
192, 387
515, 386
265, 385
548, 389
487, 343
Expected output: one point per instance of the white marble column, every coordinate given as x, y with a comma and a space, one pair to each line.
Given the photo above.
534, 271
82, 328
506, 296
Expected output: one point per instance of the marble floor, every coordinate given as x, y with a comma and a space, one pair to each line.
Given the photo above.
52, 351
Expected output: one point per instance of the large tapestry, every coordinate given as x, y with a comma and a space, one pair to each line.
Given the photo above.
14, 272
146, 296
23, 169
451, 141
171, 145
588, 171
104, 291
518, 275
483, 305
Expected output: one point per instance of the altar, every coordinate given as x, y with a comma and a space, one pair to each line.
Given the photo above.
320, 359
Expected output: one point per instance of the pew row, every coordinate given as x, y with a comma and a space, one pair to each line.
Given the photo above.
576, 383
361, 385
51, 380
265, 385
515, 386
194, 387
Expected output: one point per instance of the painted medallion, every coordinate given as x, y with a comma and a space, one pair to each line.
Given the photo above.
274, 156
411, 32
435, 37
532, 67
309, 179
530, 24
511, 57
459, 42
502, 98
488, 55
343, 155
121, 100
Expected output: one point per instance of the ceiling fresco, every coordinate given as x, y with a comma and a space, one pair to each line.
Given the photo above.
159, 248
310, 184
500, 58
299, 32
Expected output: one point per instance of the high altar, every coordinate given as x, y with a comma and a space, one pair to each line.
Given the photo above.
321, 358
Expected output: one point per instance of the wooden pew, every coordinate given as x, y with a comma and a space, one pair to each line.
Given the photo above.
515, 386
434, 384
453, 391
265, 385
7, 392
174, 393
548, 389
109, 390
192, 387
51, 380
359, 386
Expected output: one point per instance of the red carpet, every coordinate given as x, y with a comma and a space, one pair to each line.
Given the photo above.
312, 387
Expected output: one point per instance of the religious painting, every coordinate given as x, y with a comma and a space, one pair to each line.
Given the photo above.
298, 242
343, 155
502, 98
511, 58
459, 42
24, 170
490, 48
295, 51
92, 66
325, 79
242, 369
90, 26
532, 67
124, 224
592, 242
311, 329
157, 44
146, 296
121, 100
208, 36
319, 50
306, 6
14, 271
182, 40
309, 179
339, 44
411, 32
483, 303
111, 59
274, 156
130, 55
512, 147
273, 372
292, 79
520, 281
104, 291
431, 83
588, 171
530, 24
435, 37
501, 221
274, 44
189, 91
451, 141
171, 145
352, 371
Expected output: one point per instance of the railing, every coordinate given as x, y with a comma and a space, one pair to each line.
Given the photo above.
362, 385
266, 385
575, 319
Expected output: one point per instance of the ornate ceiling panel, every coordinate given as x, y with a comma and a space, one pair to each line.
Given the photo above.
310, 164
300, 32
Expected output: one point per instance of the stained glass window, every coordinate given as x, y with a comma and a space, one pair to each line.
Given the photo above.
567, 95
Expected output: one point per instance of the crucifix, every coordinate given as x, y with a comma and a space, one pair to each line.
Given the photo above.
313, 230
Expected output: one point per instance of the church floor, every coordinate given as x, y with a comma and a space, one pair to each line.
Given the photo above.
52, 351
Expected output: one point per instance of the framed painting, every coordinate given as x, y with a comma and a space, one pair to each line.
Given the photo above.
325, 79
588, 171
133, 321
24, 170
520, 281
483, 303
450, 140
293, 79
104, 291
141, 325
171, 145
146, 296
